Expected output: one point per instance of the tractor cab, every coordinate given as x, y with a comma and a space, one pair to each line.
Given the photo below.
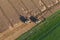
34, 19
24, 19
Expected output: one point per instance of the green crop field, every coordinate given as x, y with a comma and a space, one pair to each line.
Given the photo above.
47, 30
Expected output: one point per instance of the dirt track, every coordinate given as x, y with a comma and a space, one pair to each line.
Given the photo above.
10, 13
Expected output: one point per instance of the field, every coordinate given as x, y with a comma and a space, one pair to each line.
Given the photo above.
11, 26
48, 30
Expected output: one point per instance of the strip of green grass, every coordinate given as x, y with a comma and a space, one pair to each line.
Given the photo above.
53, 35
40, 31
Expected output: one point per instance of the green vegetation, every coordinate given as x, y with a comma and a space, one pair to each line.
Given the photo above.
48, 30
